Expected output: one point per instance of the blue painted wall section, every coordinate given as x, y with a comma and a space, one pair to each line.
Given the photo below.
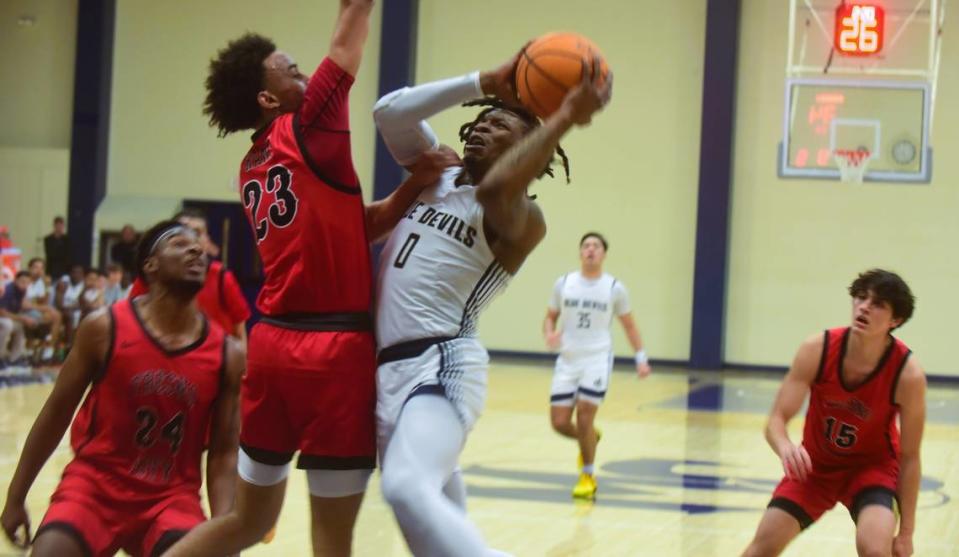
397, 69
715, 188
91, 121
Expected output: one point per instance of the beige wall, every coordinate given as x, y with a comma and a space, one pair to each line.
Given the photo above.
36, 103
160, 144
634, 170
797, 244
36, 73
33, 183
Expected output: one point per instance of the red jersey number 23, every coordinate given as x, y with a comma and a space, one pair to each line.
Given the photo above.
281, 211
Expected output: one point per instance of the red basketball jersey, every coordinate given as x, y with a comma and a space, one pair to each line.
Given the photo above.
851, 427
302, 198
142, 428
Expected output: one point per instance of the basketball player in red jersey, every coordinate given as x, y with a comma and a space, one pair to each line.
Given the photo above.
861, 379
220, 299
311, 363
160, 375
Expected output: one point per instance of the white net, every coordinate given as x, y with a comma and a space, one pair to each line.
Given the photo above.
852, 164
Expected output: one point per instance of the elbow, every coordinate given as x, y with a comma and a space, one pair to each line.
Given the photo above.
385, 114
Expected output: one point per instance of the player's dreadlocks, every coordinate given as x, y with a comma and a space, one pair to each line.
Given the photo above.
527, 117
235, 78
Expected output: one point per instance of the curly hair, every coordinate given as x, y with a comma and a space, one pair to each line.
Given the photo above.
531, 121
887, 287
236, 77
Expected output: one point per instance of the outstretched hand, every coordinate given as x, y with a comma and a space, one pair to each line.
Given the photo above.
592, 94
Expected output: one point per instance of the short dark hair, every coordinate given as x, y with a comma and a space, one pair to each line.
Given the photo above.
190, 213
235, 79
58, 219
888, 287
21, 274
34, 260
145, 247
113, 267
596, 235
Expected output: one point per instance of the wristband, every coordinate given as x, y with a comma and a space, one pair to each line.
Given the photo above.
641, 357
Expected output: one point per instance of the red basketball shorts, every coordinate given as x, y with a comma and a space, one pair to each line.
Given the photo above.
312, 392
853, 487
104, 523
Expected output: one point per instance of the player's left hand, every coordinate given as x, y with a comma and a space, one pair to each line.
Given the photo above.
902, 545
643, 370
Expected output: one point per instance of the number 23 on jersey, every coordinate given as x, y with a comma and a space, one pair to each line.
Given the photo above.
278, 190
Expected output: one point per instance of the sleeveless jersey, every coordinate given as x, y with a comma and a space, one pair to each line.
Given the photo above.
587, 307
307, 216
142, 428
437, 272
852, 427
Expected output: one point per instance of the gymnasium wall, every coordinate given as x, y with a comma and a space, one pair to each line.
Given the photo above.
36, 80
797, 244
161, 149
634, 171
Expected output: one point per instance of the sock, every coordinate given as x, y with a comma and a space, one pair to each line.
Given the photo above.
588, 469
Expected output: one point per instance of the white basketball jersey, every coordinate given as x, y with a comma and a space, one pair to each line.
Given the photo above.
587, 307
437, 271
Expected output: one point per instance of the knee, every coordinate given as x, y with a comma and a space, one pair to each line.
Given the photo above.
873, 548
399, 488
560, 423
761, 548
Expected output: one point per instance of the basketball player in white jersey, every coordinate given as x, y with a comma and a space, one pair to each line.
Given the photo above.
586, 302
457, 247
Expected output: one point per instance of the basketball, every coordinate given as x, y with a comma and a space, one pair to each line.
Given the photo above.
550, 66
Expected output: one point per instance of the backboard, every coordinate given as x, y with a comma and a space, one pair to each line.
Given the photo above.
889, 119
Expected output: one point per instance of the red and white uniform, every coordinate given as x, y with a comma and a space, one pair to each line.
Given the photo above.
138, 440
311, 360
851, 434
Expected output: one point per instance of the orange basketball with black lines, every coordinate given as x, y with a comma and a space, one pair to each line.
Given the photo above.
552, 65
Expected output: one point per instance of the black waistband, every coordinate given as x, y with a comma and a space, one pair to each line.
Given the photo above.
409, 349
322, 322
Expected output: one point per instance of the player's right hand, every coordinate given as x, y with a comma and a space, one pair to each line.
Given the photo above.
796, 462
501, 81
14, 518
590, 96
554, 340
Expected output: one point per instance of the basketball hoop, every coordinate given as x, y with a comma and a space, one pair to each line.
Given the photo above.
852, 164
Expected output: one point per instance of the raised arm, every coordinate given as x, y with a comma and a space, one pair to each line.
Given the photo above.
225, 433
401, 115
509, 213
789, 400
911, 397
349, 35
79, 370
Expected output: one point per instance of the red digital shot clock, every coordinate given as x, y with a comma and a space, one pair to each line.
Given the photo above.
859, 29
